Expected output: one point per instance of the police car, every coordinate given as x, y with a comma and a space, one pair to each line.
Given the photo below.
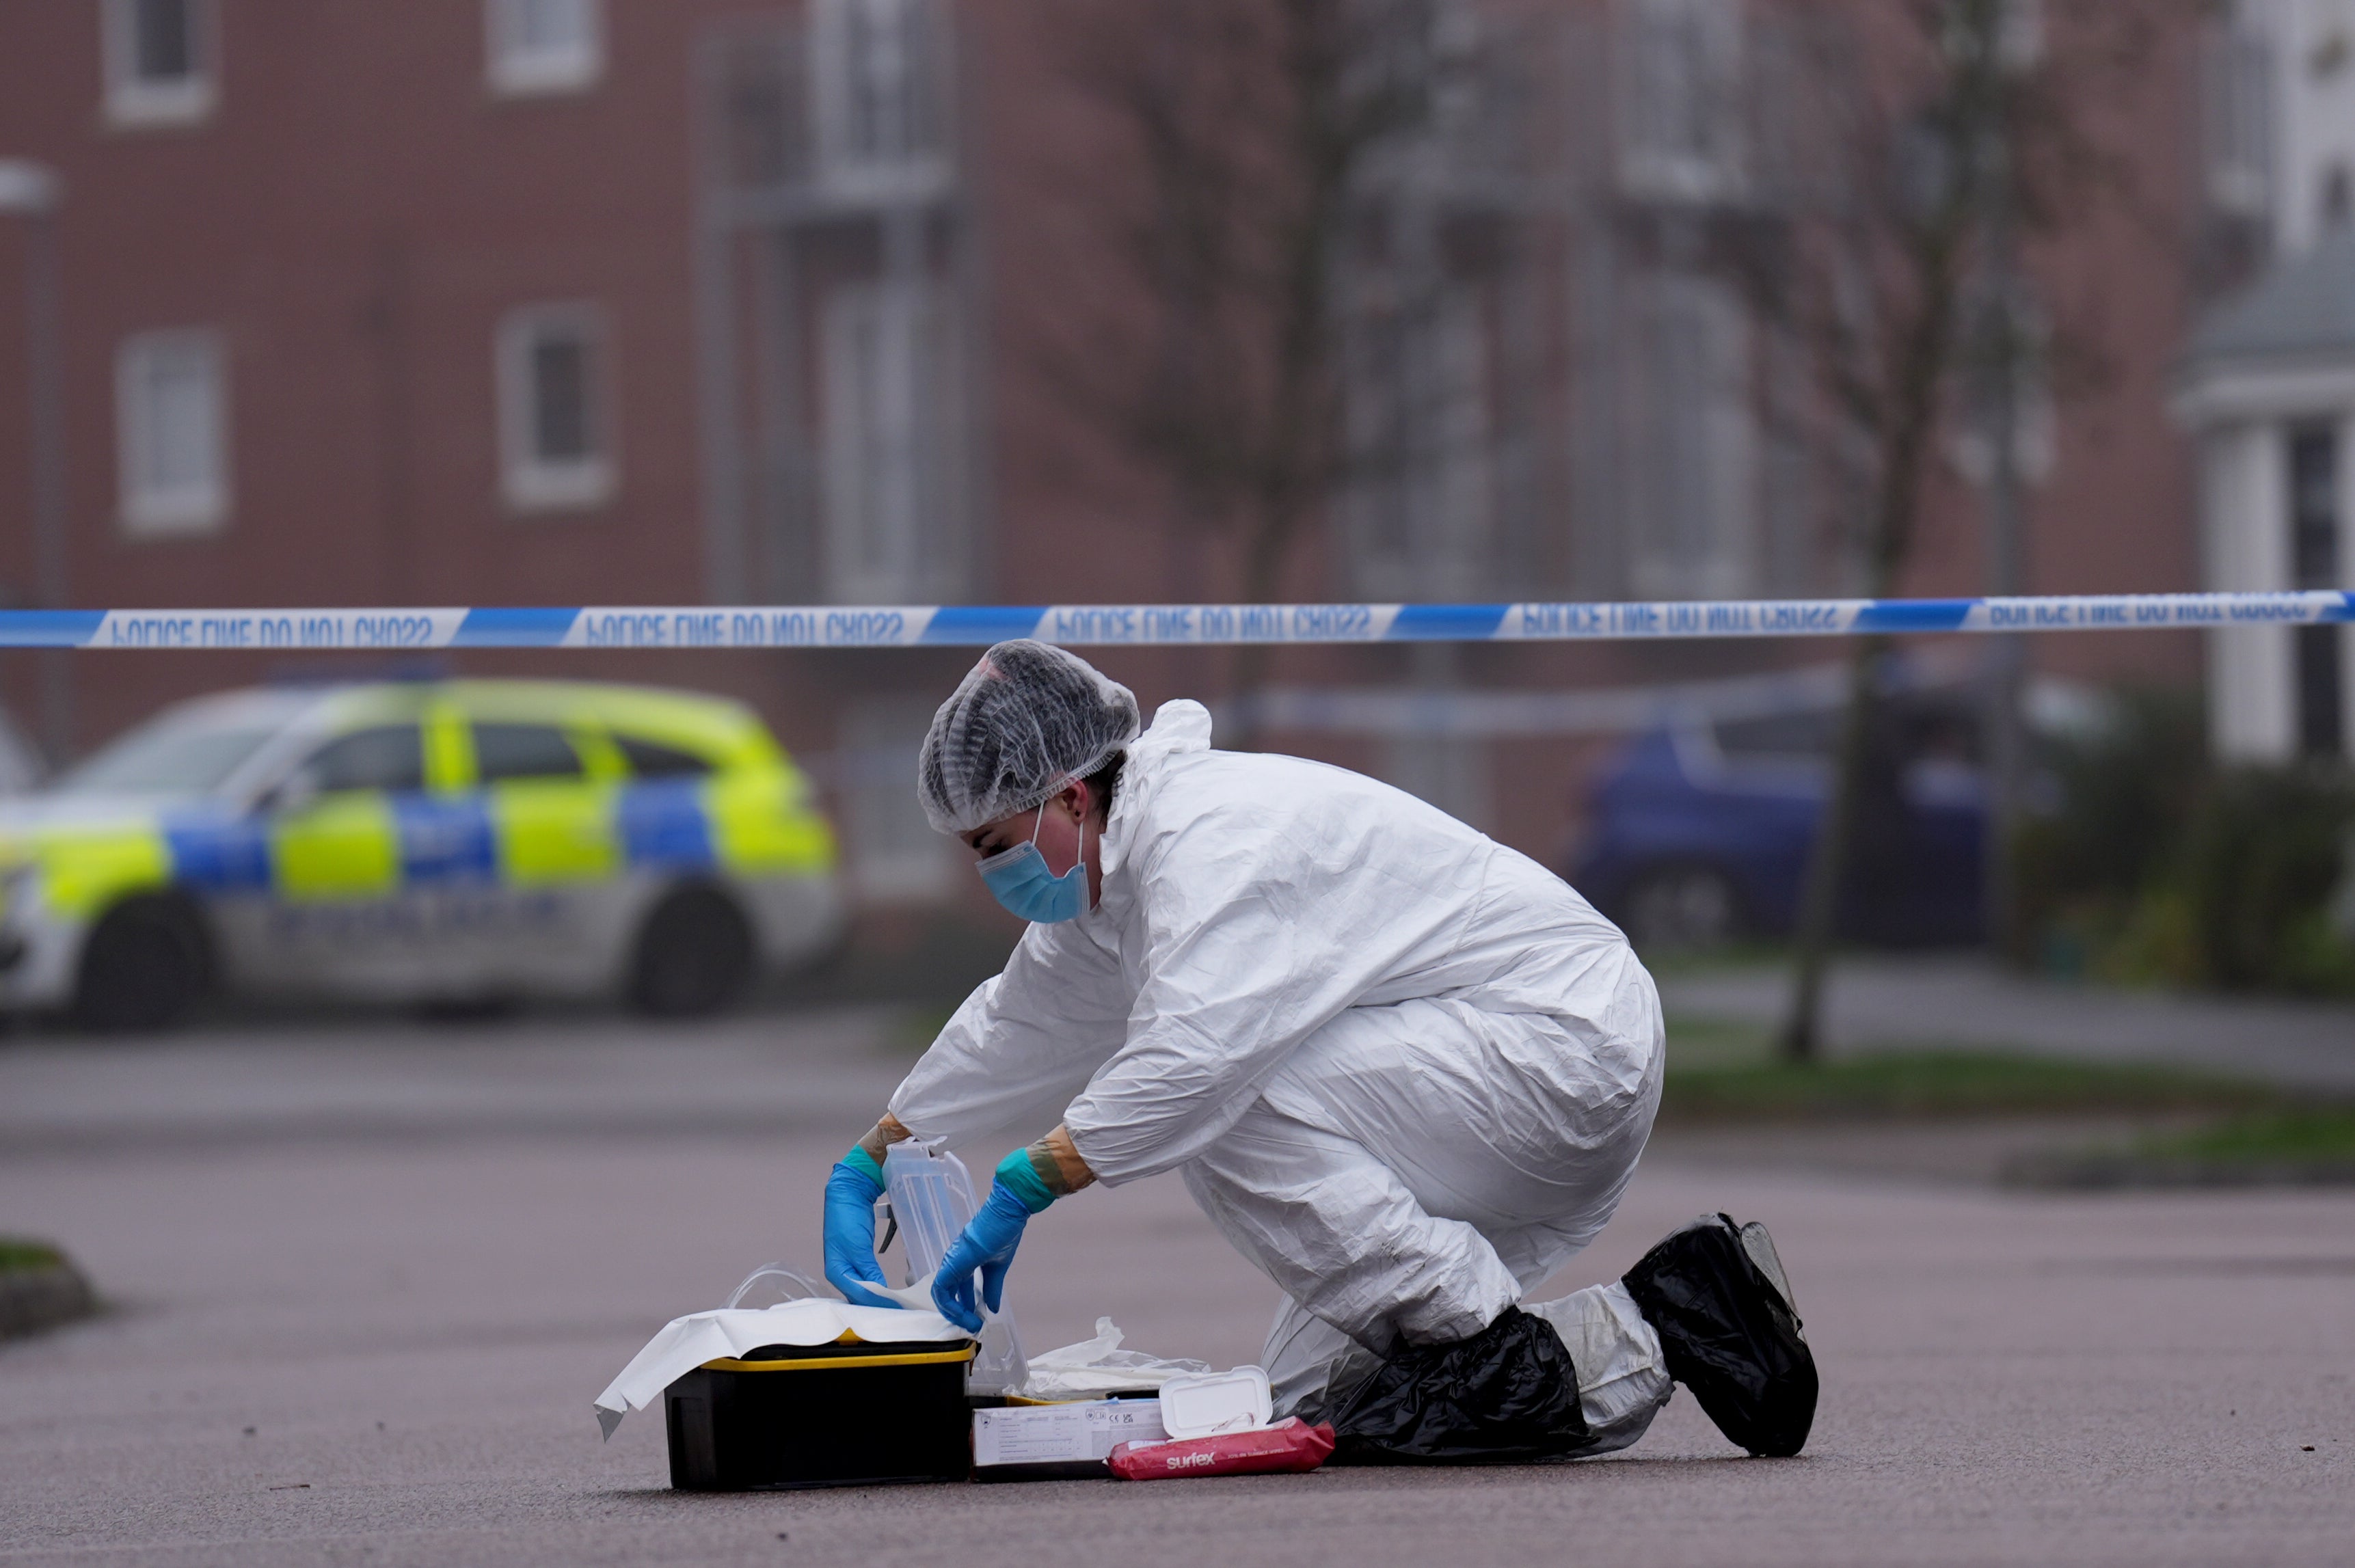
456, 842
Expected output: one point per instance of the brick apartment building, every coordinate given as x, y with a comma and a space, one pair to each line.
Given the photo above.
466, 302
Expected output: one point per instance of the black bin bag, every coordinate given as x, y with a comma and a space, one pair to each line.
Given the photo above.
1717, 1296
1507, 1395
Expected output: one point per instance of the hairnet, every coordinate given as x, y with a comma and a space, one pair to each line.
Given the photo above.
1028, 719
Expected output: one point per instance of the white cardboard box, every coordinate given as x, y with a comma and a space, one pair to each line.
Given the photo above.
1077, 1434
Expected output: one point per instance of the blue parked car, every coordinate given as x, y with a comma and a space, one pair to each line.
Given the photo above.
1699, 832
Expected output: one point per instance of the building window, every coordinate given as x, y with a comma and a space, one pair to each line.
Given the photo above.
172, 432
891, 442
1450, 772
1682, 110
2314, 486
1422, 447
2236, 118
544, 46
1691, 501
2022, 334
160, 60
2019, 32
894, 854
875, 81
2020, 36
555, 445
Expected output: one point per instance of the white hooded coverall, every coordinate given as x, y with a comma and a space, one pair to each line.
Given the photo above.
1406, 1071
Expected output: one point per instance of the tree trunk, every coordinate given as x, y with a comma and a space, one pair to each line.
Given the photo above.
1820, 902
1921, 365
1898, 402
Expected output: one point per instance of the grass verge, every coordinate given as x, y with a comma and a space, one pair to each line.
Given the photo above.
2301, 1147
1955, 1084
19, 1256
2241, 1134
2325, 1136
39, 1288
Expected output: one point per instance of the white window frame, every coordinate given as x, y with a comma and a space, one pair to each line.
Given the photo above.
894, 855
2019, 34
516, 67
1716, 171
893, 442
132, 101
529, 481
1423, 430
199, 505
1693, 503
835, 63
2237, 113
2036, 415
1453, 773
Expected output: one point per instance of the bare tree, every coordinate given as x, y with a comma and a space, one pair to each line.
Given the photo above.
1958, 133
1251, 127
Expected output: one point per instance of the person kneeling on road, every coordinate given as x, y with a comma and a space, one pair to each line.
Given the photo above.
1404, 1070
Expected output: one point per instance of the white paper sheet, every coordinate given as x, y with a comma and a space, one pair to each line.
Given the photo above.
686, 1343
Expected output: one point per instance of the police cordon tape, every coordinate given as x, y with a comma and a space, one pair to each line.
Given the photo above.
1105, 626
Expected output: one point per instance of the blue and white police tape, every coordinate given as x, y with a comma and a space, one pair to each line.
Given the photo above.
1101, 625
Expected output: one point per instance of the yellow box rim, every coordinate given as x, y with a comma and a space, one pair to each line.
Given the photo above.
837, 1363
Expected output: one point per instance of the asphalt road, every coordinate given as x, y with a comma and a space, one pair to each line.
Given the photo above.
368, 1280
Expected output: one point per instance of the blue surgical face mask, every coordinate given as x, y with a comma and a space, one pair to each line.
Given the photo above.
1019, 879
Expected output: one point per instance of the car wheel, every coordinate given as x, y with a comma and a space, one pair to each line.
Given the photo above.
1682, 909
142, 968
694, 955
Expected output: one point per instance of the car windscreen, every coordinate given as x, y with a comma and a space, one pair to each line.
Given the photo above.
164, 759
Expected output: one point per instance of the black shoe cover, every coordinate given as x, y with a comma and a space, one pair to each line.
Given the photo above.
1717, 1296
1507, 1395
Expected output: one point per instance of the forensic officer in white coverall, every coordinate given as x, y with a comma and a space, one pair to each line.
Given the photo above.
1406, 1071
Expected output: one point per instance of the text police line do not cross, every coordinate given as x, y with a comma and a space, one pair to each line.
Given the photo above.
1140, 626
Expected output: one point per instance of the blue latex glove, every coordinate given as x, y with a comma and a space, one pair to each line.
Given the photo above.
987, 1245
850, 1266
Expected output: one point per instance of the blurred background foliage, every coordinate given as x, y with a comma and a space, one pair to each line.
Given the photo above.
2153, 865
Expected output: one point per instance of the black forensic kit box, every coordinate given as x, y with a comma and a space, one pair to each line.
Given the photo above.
844, 1414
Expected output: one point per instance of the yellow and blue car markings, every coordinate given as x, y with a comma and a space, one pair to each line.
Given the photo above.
749, 815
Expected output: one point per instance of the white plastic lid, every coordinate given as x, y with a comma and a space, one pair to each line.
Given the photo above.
1203, 1404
